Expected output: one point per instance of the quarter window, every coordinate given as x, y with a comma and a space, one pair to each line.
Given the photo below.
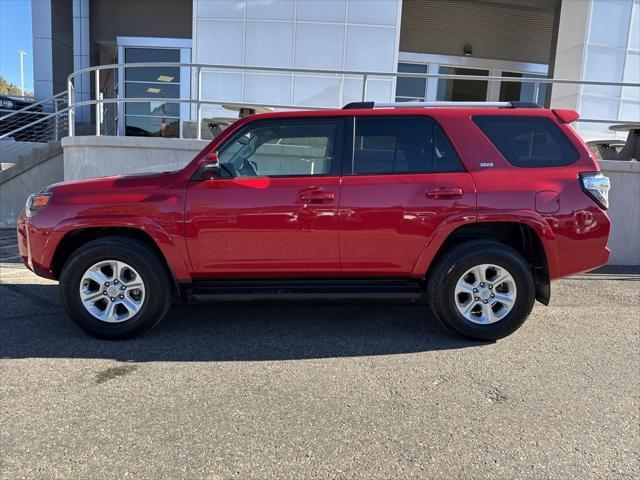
528, 141
280, 149
401, 145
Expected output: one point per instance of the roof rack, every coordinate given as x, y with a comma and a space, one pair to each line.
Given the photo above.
359, 105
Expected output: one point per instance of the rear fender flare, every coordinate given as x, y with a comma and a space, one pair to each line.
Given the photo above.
526, 217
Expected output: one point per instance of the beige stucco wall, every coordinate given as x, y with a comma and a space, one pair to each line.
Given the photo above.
86, 157
624, 211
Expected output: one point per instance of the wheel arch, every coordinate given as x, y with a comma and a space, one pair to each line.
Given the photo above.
530, 238
74, 239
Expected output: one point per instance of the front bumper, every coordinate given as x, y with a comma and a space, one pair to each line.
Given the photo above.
32, 246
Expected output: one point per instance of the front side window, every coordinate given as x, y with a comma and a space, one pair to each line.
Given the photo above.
401, 145
271, 149
528, 141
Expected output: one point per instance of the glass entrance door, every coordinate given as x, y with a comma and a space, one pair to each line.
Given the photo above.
159, 116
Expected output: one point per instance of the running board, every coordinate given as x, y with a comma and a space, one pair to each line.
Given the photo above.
306, 289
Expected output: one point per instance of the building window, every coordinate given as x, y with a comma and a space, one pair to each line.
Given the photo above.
522, 91
462, 90
157, 117
411, 89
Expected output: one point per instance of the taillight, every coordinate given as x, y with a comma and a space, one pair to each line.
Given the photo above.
597, 186
36, 202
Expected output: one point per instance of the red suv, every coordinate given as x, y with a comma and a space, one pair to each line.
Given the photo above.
475, 208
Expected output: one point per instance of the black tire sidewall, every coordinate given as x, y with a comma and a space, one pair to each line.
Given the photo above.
503, 257
144, 261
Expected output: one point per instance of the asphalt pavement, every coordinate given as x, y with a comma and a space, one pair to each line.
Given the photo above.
323, 390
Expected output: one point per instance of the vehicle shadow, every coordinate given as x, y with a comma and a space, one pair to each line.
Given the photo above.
33, 324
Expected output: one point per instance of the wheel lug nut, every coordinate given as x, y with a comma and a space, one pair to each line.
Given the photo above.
122, 287
104, 293
115, 282
490, 287
484, 301
121, 296
481, 284
106, 284
113, 299
475, 290
492, 295
476, 298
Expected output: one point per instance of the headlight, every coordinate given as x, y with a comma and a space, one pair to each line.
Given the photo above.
8, 104
36, 202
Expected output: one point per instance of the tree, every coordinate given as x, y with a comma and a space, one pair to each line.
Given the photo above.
7, 88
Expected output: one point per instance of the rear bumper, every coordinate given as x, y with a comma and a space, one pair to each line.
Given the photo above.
582, 242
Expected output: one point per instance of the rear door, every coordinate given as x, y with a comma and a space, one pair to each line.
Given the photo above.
273, 211
401, 180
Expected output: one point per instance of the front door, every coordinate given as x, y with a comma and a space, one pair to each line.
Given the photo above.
274, 210
402, 180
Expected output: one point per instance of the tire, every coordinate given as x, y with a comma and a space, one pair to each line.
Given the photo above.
144, 290
449, 290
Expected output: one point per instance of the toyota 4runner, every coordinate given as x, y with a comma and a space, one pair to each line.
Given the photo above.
475, 208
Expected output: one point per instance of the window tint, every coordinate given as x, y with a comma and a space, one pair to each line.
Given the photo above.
401, 145
528, 141
280, 149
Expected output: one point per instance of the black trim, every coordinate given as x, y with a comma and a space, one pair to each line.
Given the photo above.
358, 105
518, 104
306, 289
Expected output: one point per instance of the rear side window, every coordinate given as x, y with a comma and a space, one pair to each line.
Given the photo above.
528, 141
393, 144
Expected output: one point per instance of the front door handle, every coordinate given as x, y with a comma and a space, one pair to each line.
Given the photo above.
317, 197
444, 193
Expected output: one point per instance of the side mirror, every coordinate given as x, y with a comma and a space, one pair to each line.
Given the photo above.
211, 168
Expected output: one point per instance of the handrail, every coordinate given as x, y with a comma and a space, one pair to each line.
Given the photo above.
85, 103
22, 110
350, 72
195, 79
62, 111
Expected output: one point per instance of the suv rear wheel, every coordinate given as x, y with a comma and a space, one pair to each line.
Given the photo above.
115, 287
482, 290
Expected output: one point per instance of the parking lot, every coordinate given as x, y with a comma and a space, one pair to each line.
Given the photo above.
324, 390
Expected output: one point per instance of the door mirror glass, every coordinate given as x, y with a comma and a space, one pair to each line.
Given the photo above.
211, 167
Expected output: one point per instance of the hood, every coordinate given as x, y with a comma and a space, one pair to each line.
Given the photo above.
117, 182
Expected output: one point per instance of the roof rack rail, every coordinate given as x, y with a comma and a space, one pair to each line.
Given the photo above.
357, 105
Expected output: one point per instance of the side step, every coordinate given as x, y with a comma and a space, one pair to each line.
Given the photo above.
306, 289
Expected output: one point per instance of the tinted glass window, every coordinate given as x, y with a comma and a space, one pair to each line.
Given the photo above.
411, 88
300, 149
401, 145
528, 141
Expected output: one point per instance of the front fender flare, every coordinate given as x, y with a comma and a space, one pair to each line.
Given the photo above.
172, 246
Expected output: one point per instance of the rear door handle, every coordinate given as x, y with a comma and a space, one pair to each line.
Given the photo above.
444, 193
317, 197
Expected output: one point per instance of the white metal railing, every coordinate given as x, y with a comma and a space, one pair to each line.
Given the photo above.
38, 122
111, 105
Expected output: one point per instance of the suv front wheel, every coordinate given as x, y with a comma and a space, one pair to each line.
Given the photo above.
481, 289
115, 287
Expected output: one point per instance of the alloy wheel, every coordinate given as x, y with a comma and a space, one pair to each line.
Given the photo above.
485, 294
112, 291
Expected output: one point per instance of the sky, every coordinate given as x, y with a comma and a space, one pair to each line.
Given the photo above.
15, 34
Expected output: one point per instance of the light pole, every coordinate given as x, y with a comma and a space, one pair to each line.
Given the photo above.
22, 54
